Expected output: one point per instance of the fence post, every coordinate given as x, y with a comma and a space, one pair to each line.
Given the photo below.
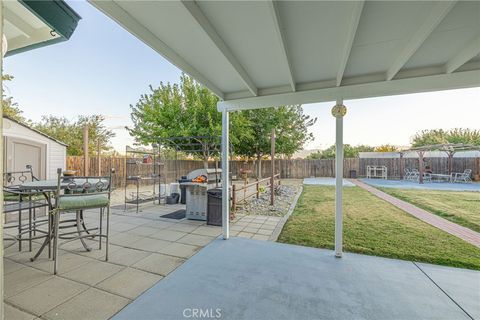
258, 190
234, 198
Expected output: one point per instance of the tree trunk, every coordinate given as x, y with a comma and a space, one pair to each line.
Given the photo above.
259, 167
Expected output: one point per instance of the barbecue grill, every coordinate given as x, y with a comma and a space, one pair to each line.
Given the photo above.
199, 181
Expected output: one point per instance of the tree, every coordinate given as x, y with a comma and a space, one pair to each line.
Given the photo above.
10, 108
386, 148
348, 152
291, 129
440, 136
71, 132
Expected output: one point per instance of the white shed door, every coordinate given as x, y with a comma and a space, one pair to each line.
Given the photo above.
21, 153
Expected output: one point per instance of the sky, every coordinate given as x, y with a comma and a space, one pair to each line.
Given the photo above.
103, 69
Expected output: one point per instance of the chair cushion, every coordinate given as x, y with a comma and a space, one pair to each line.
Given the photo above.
83, 202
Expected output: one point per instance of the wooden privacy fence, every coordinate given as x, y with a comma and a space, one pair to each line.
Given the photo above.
288, 169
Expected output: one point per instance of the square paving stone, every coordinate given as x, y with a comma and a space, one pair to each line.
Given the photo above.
12, 313
129, 283
236, 227
268, 226
185, 227
208, 231
196, 240
66, 262
250, 229
124, 239
127, 256
260, 237
46, 295
121, 226
10, 266
169, 235
93, 272
159, 263
92, 304
23, 279
245, 234
265, 232
180, 250
143, 231
149, 244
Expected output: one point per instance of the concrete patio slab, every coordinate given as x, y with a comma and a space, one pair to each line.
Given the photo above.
180, 250
462, 285
92, 304
159, 263
196, 239
250, 279
16, 314
23, 279
326, 182
93, 272
127, 256
129, 283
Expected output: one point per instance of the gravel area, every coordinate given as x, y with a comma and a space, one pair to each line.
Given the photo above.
284, 196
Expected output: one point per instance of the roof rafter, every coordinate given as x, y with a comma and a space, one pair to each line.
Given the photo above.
207, 27
117, 13
467, 53
354, 21
282, 40
436, 16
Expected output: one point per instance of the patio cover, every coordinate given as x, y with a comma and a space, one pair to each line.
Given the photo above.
33, 24
256, 54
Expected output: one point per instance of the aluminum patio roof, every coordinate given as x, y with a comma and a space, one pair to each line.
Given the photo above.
266, 53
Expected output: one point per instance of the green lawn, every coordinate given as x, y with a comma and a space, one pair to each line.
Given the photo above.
375, 227
461, 207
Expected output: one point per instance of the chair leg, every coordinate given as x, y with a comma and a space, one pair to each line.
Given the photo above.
100, 238
30, 230
108, 227
19, 230
56, 218
79, 223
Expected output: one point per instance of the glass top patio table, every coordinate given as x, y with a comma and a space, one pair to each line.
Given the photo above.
51, 184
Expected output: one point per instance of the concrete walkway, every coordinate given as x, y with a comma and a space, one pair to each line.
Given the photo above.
454, 229
250, 279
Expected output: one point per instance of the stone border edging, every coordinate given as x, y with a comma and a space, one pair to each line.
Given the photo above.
281, 223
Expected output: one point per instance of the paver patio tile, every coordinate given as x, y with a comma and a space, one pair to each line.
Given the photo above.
236, 227
149, 244
268, 226
254, 225
92, 304
121, 226
260, 237
23, 279
143, 231
46, 295
264, 232
250, 229
245, 234
196, 239
95, 253
159, 263
234, 233
208, 231
124, 239
12, 313
179, 250
169, 235
127, 256
193, 222
129, 283
93, 272
10, 266
185, 227
66, 262
160, 224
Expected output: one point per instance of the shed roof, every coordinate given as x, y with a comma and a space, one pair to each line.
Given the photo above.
266, 53
35, 130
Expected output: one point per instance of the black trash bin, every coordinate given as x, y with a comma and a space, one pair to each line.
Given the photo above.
353, 174
183, 190
214, 207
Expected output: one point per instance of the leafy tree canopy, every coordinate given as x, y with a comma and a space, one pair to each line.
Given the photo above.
71, 132
386, 148
440, 136
10, 107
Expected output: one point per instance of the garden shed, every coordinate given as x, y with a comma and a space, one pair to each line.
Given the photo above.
27, 146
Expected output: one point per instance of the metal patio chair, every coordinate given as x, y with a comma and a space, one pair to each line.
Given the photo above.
19, 201
414, 175
408, 174
464, 176
80, 194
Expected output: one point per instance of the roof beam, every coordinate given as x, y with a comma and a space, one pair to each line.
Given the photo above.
122, 17
272, 5
457, 80
354, 21
438, 12
467, 53
207, 27
18, 22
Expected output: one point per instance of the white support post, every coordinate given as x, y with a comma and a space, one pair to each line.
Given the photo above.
225, 180
2, 45
338, 111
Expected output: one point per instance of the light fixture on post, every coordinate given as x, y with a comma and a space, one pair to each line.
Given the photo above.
4, 45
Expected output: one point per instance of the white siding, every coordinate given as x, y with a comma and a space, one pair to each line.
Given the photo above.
56, 153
